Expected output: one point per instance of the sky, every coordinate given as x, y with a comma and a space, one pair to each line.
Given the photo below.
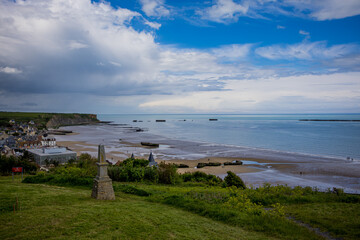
188, 56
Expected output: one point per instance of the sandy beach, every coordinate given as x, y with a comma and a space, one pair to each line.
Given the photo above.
80, 147
259, 166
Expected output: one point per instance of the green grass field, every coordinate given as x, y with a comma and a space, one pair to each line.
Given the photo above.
52, 212
184, 211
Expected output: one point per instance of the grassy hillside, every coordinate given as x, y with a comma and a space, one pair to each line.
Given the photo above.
158, 203
41, 119
156, 211
52, 212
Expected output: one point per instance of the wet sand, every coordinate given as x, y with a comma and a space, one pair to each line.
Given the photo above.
259, 166
82, 147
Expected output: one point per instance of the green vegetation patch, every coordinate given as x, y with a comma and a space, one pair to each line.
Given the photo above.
340, 219
267, 210
50, 212
7, 163
40, 119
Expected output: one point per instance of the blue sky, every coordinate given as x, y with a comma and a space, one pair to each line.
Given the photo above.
158, 56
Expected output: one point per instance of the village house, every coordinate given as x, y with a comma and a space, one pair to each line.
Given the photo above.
29, 142
3, 135
48, 142
5, 150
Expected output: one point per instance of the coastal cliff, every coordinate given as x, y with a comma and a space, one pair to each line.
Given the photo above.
59, 120
47, 120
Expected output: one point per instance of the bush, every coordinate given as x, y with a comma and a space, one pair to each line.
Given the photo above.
201, 177
167, 173
73, 171
129, 174
86, 161
151, 174
233, 180
135, 162
7, 163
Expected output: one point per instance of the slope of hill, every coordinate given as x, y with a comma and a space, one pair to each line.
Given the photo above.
53, 212
47, 120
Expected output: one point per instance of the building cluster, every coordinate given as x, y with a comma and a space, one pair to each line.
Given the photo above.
16, 138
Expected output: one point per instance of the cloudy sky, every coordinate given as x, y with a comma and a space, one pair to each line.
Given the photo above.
170, 56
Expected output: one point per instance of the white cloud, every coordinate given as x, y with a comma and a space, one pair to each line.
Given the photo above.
306, 51
77, 45
333, 9
304, 93
224, 11
39, 37
154, 8
280, 27
302, 32
233, 51
318, 10
86, 56
10, 70
115, 63
153, 24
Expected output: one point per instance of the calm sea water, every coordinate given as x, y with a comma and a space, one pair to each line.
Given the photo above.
275, 132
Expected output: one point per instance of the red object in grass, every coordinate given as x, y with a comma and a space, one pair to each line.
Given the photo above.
17, 169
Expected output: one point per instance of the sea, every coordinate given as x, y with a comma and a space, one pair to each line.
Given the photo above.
277, 132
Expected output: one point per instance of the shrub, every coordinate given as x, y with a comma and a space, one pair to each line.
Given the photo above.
130, 172
7, 163
87, 162
151, 174
136, 174
167, 173
73, 171
201, 177
126, 173
242, 202
135, 162
233, 180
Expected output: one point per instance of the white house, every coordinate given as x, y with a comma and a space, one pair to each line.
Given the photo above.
48, 142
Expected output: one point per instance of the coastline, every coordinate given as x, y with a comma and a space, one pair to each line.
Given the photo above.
260, 165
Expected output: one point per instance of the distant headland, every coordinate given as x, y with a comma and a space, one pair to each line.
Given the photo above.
47, 120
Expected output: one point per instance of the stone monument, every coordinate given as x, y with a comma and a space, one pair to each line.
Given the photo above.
102, 188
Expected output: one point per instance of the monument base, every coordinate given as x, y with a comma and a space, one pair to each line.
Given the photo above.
103, 189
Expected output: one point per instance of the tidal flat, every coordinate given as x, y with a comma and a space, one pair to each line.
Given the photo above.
260, 165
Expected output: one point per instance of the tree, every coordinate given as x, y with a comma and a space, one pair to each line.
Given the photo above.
233, 180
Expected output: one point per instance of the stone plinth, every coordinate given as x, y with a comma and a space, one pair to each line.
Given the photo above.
102, 188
